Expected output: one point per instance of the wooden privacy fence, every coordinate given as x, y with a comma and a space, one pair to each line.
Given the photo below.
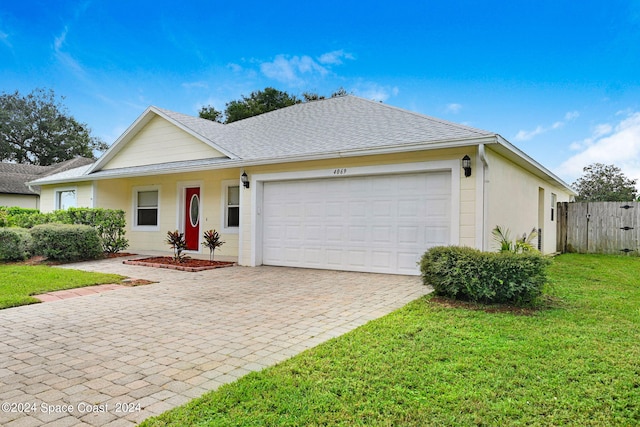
599, 227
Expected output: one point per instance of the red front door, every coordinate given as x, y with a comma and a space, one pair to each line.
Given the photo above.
192, 218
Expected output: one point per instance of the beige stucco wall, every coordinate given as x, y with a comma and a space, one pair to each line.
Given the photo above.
118, 194
520, 201
160, 141
20, 200
512, 199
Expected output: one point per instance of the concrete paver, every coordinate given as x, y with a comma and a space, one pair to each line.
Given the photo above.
118, 357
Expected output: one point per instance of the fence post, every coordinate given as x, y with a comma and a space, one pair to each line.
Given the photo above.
561, 227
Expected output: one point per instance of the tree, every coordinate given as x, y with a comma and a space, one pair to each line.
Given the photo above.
37, 129
210, 113
260, 102
604, 183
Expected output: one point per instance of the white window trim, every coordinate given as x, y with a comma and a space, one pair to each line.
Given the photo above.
134, 208
223, 205
56, 195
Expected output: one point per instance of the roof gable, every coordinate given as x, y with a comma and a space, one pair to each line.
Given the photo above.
160, 136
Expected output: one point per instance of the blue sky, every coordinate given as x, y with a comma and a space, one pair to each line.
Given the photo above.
559, 79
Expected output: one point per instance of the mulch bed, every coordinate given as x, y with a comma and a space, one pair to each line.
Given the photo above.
188, 264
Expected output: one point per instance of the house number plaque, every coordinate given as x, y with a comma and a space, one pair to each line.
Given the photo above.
340, 171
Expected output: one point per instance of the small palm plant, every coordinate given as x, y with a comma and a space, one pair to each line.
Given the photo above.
212, 241
177, 242
523, 244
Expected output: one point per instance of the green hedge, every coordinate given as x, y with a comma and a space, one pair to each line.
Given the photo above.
469, 274
65, 242
110, 223
15, 244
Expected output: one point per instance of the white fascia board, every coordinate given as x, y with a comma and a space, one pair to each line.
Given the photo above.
238, 163
142, 120
534, 166
136, 126
194, 134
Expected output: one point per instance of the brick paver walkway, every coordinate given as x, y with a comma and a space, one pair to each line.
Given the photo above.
118, 357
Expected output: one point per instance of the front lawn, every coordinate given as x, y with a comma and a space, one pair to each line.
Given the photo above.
574, 362
18, 282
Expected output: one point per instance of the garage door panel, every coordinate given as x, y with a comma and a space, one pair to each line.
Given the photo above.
408, 235
374, 223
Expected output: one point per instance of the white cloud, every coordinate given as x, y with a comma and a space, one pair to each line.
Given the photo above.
571, 115
598, 131
195, 85
617, 144
453, 108
335, 57
525, 135
293, 69
65, 58
290, 70
4, 38
375, 92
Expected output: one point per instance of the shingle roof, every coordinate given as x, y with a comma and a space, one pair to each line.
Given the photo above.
14, 176
337, 124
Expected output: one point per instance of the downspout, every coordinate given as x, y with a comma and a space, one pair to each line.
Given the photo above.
485, 192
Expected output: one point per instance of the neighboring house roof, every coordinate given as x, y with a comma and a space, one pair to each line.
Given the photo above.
335, 127
14, 176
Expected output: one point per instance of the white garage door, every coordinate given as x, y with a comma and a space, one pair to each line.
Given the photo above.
381, 223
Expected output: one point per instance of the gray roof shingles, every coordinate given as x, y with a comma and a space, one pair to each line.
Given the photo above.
324, 127
14, 176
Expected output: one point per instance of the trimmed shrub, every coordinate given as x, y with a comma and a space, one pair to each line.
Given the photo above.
110, 223
487, 277
65, 242
15, 244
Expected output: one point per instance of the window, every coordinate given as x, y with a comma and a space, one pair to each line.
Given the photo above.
232, 214
66, 199
554, 202
146, 208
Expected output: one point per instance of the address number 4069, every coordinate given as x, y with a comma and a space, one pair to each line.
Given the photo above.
340, 171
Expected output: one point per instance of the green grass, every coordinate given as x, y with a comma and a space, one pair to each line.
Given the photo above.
574, 362
18, 282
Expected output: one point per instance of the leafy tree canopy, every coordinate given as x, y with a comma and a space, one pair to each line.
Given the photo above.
260, 102
604, 183
38, 129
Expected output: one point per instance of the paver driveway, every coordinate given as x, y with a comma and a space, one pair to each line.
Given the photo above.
147, 349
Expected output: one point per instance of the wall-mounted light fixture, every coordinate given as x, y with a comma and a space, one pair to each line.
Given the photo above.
245, 179
466, 165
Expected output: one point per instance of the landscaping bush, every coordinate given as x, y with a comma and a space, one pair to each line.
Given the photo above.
65, 242
110, 223
15, 244
472, 275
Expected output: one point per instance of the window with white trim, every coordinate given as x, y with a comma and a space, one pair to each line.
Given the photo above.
146, 208
554, 202
66, 198
232, 206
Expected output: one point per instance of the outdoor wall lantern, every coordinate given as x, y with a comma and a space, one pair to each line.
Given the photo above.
245, 179
466, 165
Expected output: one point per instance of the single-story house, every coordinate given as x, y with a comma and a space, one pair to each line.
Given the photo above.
342, 183
14, 190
